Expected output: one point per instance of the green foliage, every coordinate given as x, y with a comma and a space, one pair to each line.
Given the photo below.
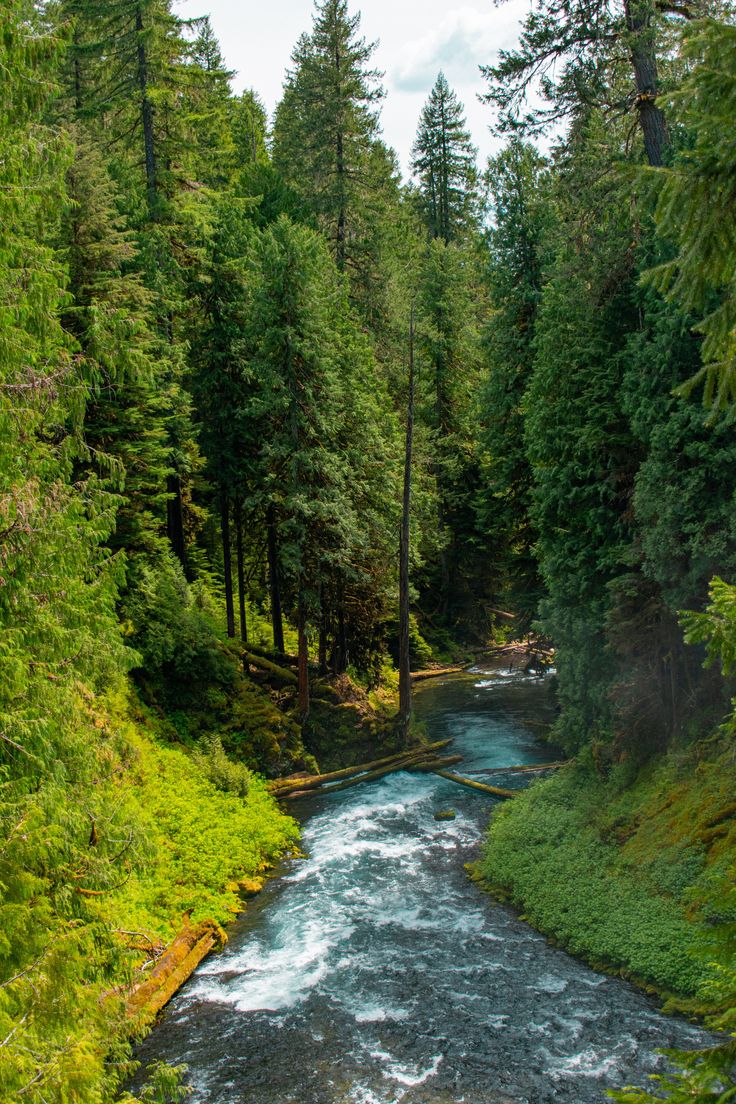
443, 162
521, 216
567, 853
173, 628
204, 832
707, 1078
695, 205
716, 626
212, 762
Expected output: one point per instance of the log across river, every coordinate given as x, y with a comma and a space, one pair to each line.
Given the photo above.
375, 972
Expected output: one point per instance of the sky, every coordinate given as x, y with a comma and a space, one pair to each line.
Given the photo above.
416, 38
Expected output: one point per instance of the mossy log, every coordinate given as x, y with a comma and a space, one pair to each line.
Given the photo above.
273, 669
494, 791
530, 769
282, 787
433, 765
148, 996
435, 672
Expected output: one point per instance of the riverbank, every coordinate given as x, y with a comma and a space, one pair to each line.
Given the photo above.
630, 871
196, 836
466, 996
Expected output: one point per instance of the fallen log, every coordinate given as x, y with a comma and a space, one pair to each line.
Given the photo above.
281, 787
270, 668
433, 765
409, 763
435, 672
149, 995
530, 769
495, 791
370, 776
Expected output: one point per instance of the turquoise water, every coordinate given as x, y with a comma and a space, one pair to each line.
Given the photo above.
375, 972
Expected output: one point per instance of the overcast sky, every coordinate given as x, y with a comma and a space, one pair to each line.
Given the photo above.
416, 39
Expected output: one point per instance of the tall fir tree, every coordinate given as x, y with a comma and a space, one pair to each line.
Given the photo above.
444, 165
326, 137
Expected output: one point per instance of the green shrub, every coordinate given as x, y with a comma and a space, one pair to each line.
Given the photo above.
554, 852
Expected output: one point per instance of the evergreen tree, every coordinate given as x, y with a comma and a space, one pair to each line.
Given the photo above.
443, 162
58, 634
448, 341
326, 128
695, 203
579, 55
521, 220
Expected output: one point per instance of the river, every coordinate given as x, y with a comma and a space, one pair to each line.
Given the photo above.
376, 972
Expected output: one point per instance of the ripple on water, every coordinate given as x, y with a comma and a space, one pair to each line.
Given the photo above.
378, 973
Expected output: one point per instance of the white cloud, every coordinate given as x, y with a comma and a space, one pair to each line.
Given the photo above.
464, 39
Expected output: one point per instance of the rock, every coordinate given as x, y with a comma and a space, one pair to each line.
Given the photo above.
445, 814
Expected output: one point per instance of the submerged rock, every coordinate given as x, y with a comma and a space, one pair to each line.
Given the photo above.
445, 814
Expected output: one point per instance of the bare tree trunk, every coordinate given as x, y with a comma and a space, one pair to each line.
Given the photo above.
323, 630
227, 561
175, 517
404, 657
643, 59
303, 693
241, 571
273, 576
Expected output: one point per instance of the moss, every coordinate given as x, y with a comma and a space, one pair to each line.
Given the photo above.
621, 871
202, 842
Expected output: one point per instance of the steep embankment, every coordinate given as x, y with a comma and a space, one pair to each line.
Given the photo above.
186, 836
629, 873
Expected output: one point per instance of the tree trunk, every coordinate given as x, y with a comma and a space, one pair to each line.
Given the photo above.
340, 656
303, 661
340, 234
175, 517
404, 657
323, 630
241, 571
227, 562
273, 577
146, 115
643, 59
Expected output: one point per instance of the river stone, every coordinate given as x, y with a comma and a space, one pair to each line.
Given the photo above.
445, 814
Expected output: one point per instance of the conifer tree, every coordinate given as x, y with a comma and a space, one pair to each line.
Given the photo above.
326, 127
695, 203
520, 218
443, 162
447, 338
58, 634
580, 54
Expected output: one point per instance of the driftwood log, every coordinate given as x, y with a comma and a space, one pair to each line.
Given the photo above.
494, 791
156, 987
284, 786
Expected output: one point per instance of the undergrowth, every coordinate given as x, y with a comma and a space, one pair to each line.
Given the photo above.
621, 872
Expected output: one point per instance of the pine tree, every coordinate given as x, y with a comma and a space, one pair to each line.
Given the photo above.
521, 219
581, 55
326, 127
444, 164
58, 634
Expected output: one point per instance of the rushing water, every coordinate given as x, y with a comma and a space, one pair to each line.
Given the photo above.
375, 972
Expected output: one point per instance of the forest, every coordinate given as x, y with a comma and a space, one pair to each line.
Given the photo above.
215, 328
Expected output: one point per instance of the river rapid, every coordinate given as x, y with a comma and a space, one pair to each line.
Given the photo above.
376, 972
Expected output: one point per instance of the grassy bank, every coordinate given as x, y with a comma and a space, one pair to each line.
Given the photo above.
163, 838
630, 872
